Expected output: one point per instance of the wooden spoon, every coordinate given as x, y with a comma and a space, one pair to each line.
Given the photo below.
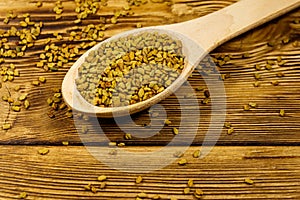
198, 36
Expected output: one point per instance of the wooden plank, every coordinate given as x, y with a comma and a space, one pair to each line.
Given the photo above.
258, 126
64, 171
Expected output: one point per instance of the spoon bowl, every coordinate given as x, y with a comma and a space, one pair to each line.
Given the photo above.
198, 37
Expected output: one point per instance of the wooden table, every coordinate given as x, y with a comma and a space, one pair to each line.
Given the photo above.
264, 146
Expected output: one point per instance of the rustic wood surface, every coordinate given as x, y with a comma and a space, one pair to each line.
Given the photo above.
263, 147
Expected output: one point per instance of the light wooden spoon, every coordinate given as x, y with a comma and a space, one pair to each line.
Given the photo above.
198, 36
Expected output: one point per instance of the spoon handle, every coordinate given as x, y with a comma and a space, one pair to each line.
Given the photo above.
216, 28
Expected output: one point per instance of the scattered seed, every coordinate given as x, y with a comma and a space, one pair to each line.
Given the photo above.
256, 84
196, 154
102, 178
35, 83
94, 189
246, 107
65, 143
139, 25
182, 161
42, 79
23, 195
249, 181
102, 185
26, 104
252, 104
230, 131
198, 193
186, 190
178, 154
16, 108
257, 76
168, 122
121, 144
128, 136
6, 126
39, 4
281, 113
142, 195
43, 151
275, 83
190, 183
227, 125
175, 131
200, 88
139, 179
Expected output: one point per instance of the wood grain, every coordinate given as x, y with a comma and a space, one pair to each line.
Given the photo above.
64, 171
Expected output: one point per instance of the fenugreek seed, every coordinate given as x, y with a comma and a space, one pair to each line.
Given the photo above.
252, 104
281, 113
167, 122
26, 104
186, 190
87, 187
139, 179
121, 144
280, 74
227, 125
23, 195
196, 154
175, 131
190, 183
42, 79
128, 136
156, 196
230, 131
246, 107
142, 195
65, 143
35, 83
198, 193
43, 151
182, 161
102, 185
256, 84
275, 83
84, 129
102, 178
17, 88
139, 25
257, 76
249, 181
258, 67
177, 154
206, 93
38, 4
93, 189
6, 126
200, 88
268, 66
16, 108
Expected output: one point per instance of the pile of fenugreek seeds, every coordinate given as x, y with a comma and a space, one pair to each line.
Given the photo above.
129, 70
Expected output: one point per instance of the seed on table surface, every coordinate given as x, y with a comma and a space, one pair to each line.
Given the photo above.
102, 178
23, 195
249, 181
206, 93
256, 84
139, 25
252, 104
282, 113
142, 195
175, 131
257, 76
26, 104
275, 83
268, 67
139, 179
121, 144
200, 88
227, 125
186, 190
35, 83
156, 196
182, 161
190, 183
178, 154
230, 131
6, 126
258, 67
87, 187
38, 4
42, 79
102, 185
93, 189
16, 108
196, 154
198, 193
246, 107
65, 143
167, 122
205, 101
16, 88
280, 74
43, 151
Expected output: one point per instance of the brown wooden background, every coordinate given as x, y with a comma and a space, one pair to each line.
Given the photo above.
263, 147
